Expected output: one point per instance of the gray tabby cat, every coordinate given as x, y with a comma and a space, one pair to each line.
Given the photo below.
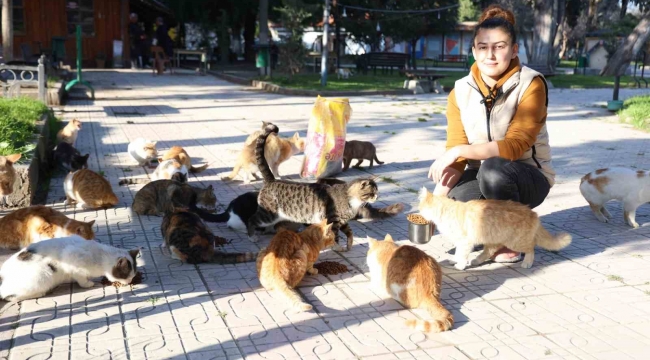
307, 203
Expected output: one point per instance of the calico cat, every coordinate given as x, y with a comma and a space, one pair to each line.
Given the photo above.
89, 190
283, 264
37, 223
243, 207
69, 132
8, 173
161, 196
360, 150
411, 277
69, 158
631, 187
142, 151
276, 151
178, 153
190, 241
306, 203
39, 268
493, 223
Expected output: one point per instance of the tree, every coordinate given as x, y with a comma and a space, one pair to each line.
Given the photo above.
468, 10
7, 31
292, 51
627, 51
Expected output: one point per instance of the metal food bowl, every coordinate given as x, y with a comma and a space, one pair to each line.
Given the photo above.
421, 233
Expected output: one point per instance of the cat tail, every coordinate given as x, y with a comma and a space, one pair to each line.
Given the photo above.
220, 257
377, 160
234, 172
369, 212
134, 181
293, 297
194, 169
262, 164
547, 241
442, 320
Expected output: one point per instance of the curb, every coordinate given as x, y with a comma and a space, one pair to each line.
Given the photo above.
276, 89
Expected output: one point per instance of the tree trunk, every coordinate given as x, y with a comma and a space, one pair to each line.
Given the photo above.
7, 31
624, 8
558, 31
626, 52
565, 44
544, 32
413, 60
249, 35
592, 14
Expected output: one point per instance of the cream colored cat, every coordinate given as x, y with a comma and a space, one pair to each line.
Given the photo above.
493, 223
411, 277
276, 151
69, 132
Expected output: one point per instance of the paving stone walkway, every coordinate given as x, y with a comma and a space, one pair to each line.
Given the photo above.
589, 301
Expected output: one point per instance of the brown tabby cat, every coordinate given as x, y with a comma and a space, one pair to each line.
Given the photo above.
178, 153
282, 265
361, 150
411, 277
37, 223
308, 203
88, 189
190, 241
69, 132
161, 196
493, 223
8, 173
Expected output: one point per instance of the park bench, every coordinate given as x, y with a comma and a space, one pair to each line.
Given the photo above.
385, 60
422, 81
543, 69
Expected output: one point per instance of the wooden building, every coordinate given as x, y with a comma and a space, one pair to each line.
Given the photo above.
37, 22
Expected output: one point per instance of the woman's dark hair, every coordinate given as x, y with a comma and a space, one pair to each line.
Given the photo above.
496, 17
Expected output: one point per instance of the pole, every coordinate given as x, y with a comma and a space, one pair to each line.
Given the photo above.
7, 31
337, 19
617, 84
326, 28
264, 37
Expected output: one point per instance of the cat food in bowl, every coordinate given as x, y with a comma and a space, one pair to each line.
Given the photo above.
420, 230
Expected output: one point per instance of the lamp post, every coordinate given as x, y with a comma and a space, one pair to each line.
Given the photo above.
326, 28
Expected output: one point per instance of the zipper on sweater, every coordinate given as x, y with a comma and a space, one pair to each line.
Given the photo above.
488, 112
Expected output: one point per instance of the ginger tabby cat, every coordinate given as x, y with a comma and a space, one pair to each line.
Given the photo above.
178, 153
282, 265
37, 223
411, 277
69, 132
89, 190
8, 173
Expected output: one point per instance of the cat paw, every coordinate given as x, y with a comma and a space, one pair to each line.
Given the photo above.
339, 248
526, 264
475, 262
313, 271
460, 266
86, 284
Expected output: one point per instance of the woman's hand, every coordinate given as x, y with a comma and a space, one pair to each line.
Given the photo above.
438, 167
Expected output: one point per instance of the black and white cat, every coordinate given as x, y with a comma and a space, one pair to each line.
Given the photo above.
42, 266
69, 158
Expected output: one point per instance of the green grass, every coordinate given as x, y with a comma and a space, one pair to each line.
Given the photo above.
51, 80
17, 125
636, 111
588, 81
567, 63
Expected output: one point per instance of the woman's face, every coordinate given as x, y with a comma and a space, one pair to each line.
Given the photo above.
493, 51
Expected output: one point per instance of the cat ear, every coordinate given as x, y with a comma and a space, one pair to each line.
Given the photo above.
210, 187
86, 156
91, 223
13, 158
134, 253
154, 143
296, 136
388, 238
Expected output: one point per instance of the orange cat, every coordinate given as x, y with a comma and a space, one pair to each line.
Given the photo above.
69, 132
7, 173
493, 223
88, 189
37, 223
178, 153
411, 277
282, 265
276, 151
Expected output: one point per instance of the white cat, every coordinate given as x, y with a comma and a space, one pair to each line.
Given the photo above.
40, 267
343, 73
632, 187
167, 169
142, 151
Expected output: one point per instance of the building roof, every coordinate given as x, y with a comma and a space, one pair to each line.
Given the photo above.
157, 5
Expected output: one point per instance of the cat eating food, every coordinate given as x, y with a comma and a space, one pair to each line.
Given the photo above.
360, 150
160, 196
493, 223
40, 267
89, 190
142, 151
37, 223
411, 277
283, 264
69, 158
178, 153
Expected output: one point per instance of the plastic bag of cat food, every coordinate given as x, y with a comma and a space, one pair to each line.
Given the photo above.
326, 138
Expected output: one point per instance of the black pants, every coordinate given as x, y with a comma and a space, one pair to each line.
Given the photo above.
501, 179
